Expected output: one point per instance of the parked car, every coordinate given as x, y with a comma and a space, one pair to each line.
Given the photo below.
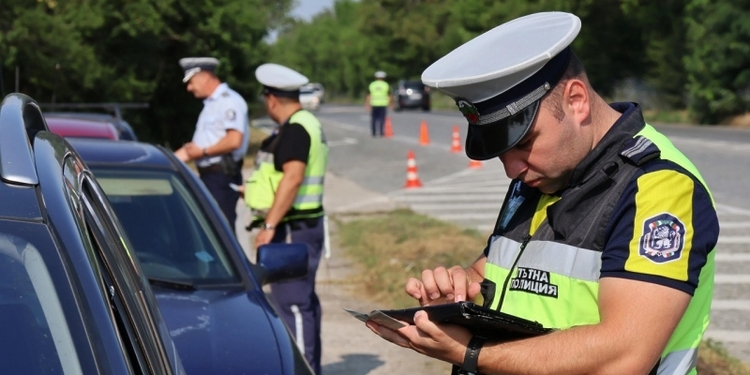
309, 100
80, 128
317, 90
73, 299
123, 129
411, 94
210, 294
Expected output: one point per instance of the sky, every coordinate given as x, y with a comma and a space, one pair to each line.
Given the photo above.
306, 9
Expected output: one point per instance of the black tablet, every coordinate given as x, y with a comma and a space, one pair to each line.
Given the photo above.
479, 320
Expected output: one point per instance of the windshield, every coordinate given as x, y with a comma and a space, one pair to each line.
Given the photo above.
35, 335
166, 227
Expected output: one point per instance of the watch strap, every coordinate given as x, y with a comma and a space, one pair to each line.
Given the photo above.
471, 357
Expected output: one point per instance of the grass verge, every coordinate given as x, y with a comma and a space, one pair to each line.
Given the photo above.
390, 247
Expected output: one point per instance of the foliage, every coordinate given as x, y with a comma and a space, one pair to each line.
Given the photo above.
718, 58
693, 52
127, 50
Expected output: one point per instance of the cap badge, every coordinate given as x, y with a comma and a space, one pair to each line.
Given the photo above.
468, 110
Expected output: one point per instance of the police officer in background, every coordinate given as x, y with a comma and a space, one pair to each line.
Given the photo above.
377, 101
285, 197
221, 135
607, 231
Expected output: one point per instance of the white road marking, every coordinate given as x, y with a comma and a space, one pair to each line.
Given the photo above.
343, 142
731, 279
728, 336
730, 304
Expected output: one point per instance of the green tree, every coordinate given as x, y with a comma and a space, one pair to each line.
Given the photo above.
718, 58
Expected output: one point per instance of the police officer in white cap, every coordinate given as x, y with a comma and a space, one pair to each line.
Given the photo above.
285, 196
606, 234
377, 102
221, 135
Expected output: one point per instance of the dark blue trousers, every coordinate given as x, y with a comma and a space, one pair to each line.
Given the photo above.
218, 184
377, 120
296, 300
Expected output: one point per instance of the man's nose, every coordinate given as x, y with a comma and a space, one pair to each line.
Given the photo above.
513, 163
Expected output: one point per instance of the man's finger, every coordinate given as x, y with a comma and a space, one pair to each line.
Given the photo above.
388, 334
444, 283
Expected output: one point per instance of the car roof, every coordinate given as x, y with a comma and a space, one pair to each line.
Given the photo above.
101, 151
124, 129
77, 127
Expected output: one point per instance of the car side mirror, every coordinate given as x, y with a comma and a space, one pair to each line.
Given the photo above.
281, 262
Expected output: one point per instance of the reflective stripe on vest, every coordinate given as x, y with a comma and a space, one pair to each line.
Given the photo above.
264, 182
547, 279
379, 96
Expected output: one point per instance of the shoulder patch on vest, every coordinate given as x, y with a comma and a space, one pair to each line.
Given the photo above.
640, 150
663, 238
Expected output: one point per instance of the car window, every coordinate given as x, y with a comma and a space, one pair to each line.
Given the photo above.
166, 227
306, 92
35, 336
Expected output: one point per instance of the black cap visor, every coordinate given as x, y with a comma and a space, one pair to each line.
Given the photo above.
491, 140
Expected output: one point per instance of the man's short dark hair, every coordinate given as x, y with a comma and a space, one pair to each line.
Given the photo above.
553, 100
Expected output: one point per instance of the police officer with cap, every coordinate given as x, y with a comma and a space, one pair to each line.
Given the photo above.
285, 197
606, 234
378, 100
221, 135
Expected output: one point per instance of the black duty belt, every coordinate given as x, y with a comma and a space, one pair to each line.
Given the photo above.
296, 224
210, 169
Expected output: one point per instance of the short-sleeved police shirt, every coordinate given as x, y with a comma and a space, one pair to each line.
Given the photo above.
225, 109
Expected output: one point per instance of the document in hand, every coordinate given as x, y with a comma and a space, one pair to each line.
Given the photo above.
479, 320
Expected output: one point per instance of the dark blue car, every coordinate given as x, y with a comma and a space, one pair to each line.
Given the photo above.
73, 299
209, 293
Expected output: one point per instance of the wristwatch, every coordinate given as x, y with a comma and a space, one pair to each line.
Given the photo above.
205, 153
267, 226
471, 357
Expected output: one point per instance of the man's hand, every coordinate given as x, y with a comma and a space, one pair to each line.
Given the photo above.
264, 236
446, 342
182, 155
193, 151
443, 285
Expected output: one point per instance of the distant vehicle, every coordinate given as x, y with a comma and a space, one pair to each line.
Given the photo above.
211, 296
309, 100
73, 298
80, 128
124, 130
411, 94
317, 90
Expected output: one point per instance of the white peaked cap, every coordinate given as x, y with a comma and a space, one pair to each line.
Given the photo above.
193, 65
280, 77
499, 59
380, 74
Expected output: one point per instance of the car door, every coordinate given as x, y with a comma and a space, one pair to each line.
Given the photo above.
144, 338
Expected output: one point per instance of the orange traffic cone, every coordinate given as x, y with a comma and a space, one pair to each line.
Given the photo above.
424, 136
456, 144
412, 179
474, 164
388, 131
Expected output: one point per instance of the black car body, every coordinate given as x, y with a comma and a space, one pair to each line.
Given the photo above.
411, 94
73, 299
209, 293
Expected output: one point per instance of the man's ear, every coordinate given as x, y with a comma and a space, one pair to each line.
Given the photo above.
576, 100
